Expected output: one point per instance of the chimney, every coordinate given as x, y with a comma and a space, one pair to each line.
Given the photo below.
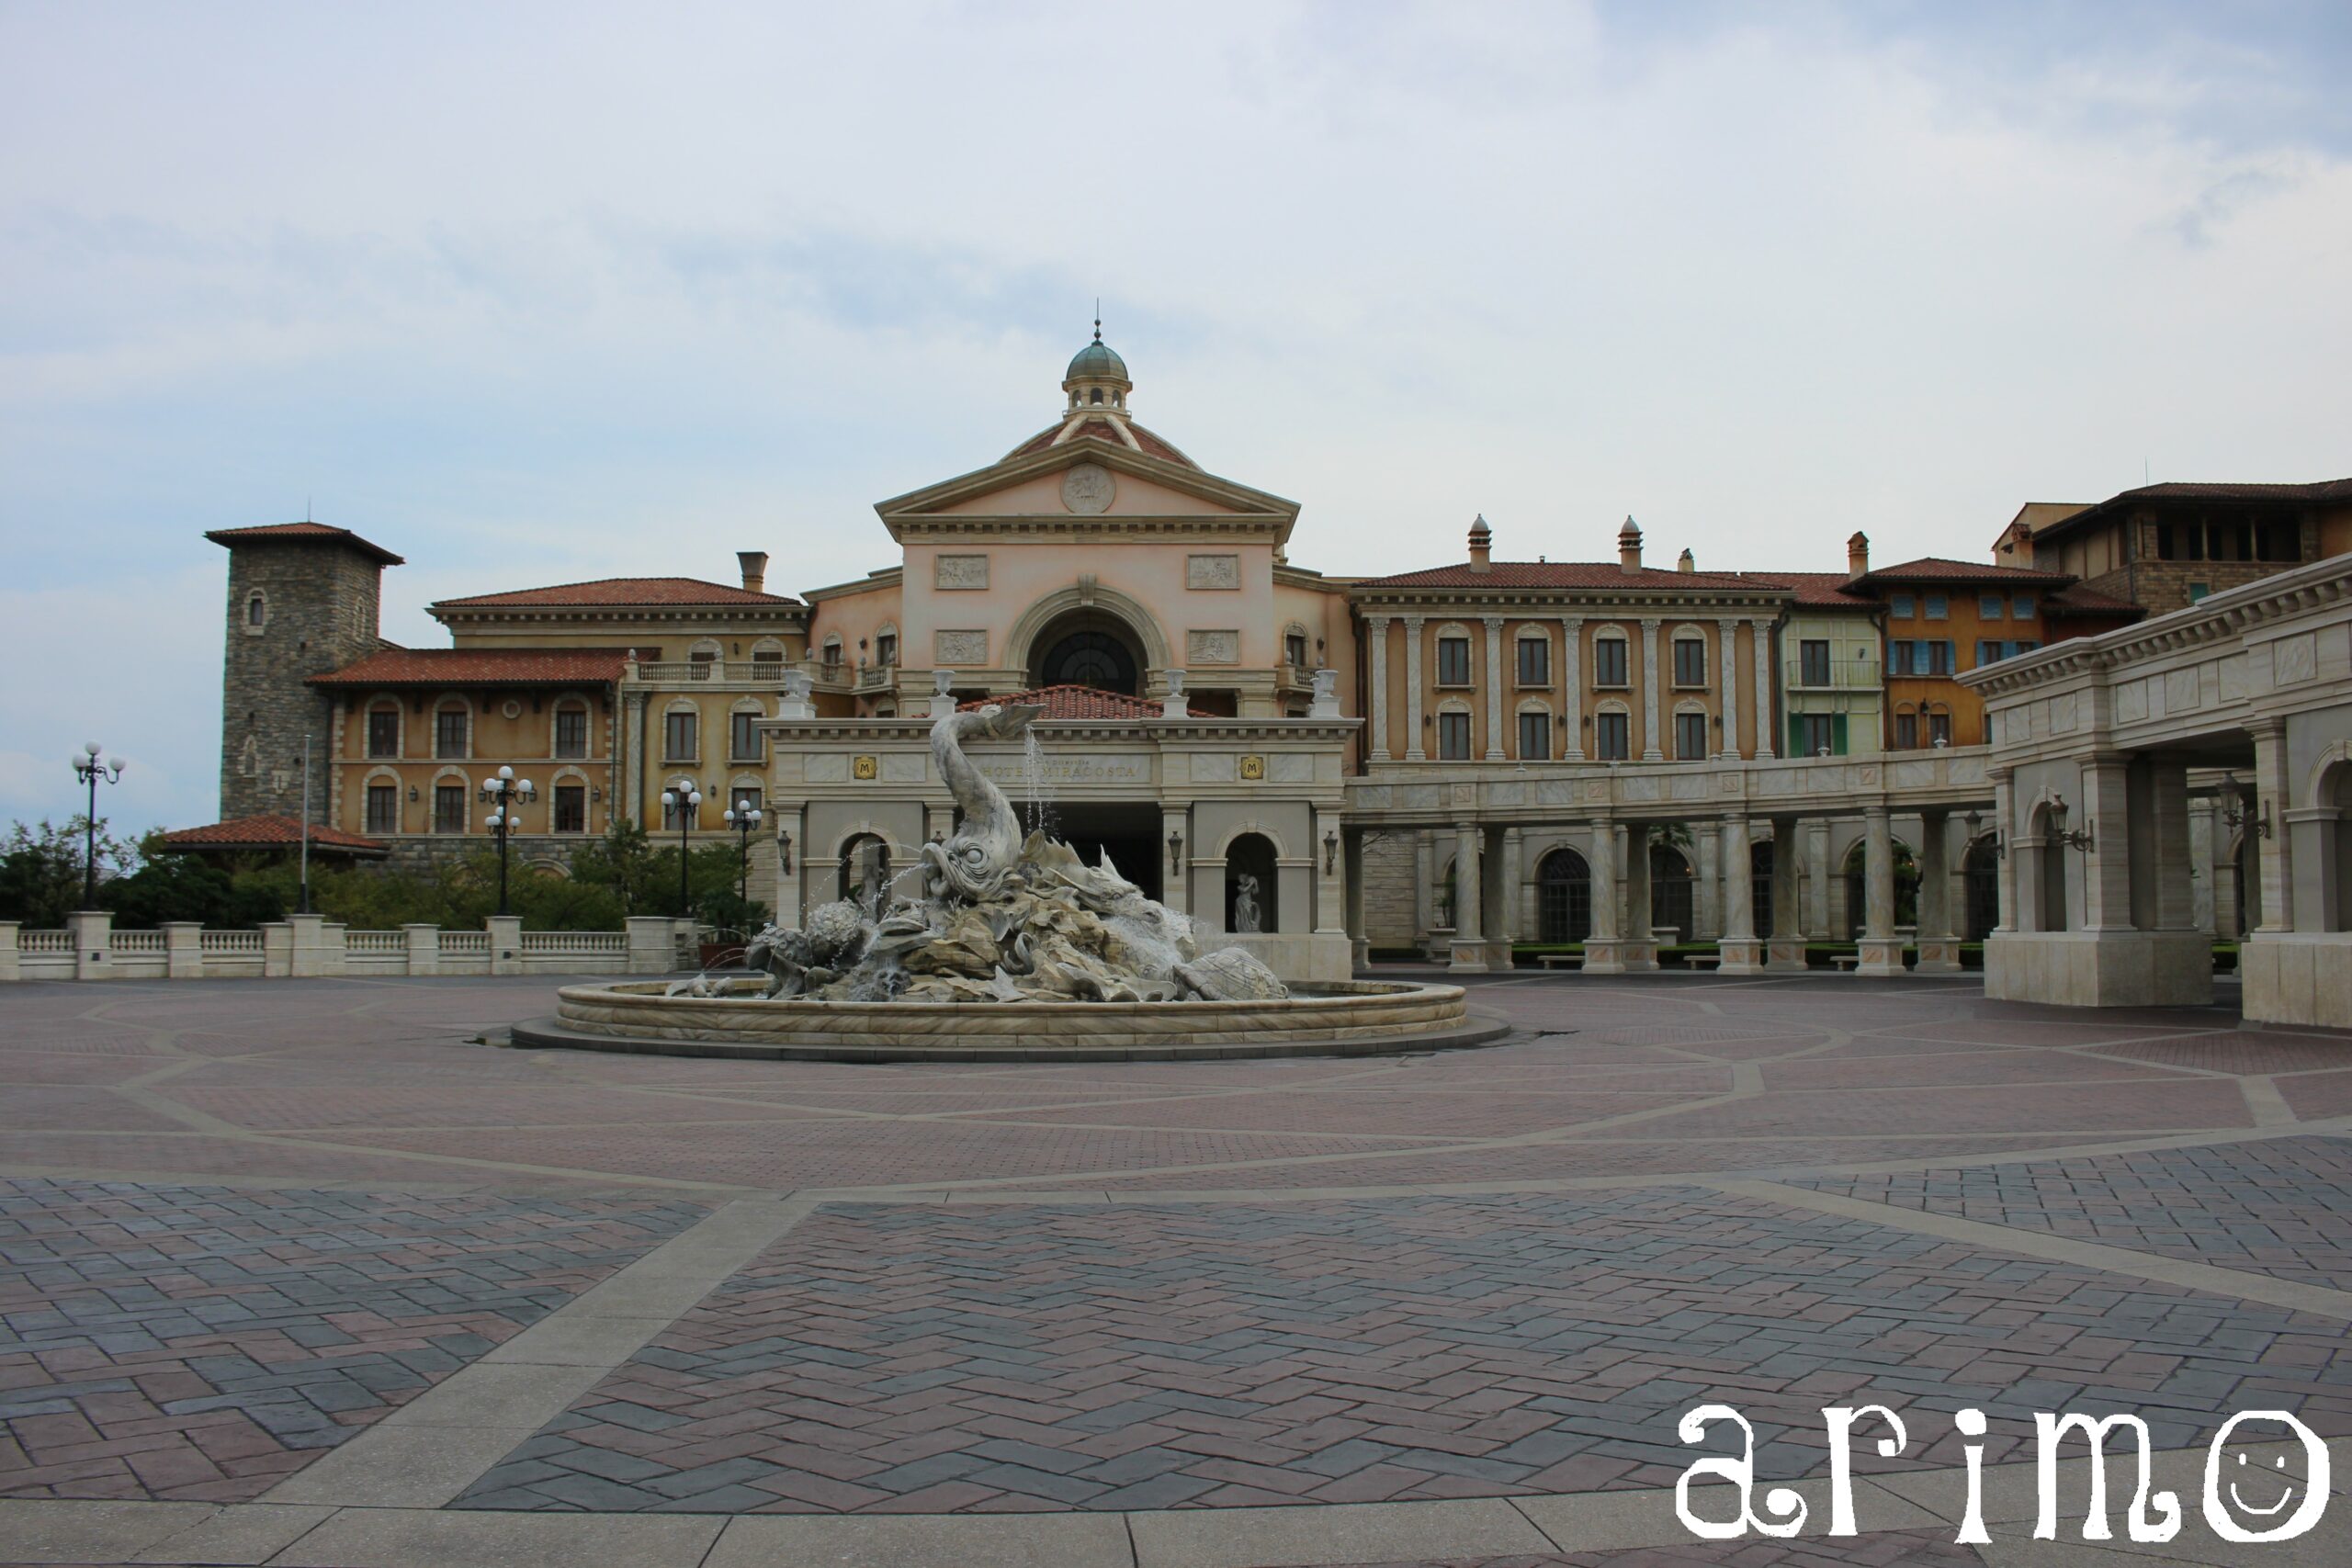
1629, 547
1858, 555
1689, 562
1482, 545
755, 569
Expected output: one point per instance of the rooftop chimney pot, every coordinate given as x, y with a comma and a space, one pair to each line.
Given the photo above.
1482, 545
755, 569
1858, 555
1688, 562
1629, 545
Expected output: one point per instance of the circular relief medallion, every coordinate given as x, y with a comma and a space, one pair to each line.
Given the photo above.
512, 709
1087, 490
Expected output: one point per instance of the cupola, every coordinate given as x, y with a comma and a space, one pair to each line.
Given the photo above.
1097, 377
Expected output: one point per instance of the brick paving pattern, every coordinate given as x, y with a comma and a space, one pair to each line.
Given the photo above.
2281, 1206
1889, 1549
200, 1343
928, 1359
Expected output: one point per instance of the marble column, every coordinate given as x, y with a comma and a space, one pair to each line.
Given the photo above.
1760, 633
1414, 751
1329, 880
1502, 897
1742, 952
1175, 818
2106, 814
1493, 688
1604, 948
1787, 945
1641, 945
1572, 684
2004, 833
1882, 952
2176, 848
1816, 883
1377, 667
1425, 885
1469, 954
1939, 943
2273, 798
1706, 885
1651, 751
1351, 864
1727, 647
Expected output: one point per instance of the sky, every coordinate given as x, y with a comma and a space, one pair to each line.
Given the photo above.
535, 294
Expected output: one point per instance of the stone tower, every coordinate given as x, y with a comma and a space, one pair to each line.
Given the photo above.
302, 601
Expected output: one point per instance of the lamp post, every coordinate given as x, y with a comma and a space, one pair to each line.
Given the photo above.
89, 770
685, 797
743, 816
504, 792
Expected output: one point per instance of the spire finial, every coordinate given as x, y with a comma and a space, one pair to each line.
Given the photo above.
1098, 318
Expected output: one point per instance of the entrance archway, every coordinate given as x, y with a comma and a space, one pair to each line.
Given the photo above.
1984, 876
1564, 897
1671, 902
1906, 887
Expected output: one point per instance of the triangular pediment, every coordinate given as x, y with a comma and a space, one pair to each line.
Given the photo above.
1125, 485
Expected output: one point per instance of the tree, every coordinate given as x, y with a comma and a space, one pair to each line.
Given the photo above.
188, 887
40, 870
624, 861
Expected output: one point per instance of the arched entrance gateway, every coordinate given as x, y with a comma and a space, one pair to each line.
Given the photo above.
1089, 648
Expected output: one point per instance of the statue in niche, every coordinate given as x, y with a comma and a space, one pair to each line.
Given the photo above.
1245, 904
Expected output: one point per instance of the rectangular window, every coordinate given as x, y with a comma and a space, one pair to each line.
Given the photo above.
1609, 662
1612, 737
1454, 661
2198, 591
449, 808
743, 798
384, 733
383, 808
2165, 548
678, 737
1988, 606
1812, 662
571, 732
885, 649
1900, 607
2021, 607
1939, 657
571, 808
1535, 737
1939, 730
1987, 652
449, 733
1816, 737
1690, 736
1906, 731
2026, 644
767, 656
1453, 737
1939, 607
743, 737
1534, 661
1898, 658
1295, 649
1690, 661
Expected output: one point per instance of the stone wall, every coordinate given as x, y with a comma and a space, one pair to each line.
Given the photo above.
1388, 890
320, 612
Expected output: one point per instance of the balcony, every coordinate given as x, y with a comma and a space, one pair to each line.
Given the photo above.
766, 675
877, 677
1837, 676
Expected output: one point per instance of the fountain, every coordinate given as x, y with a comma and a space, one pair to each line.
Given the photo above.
1009, 948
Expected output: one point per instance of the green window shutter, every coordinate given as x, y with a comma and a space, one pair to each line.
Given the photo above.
1838, 734
1796, 735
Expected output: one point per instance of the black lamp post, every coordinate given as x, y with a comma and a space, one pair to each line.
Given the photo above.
685, 797
504, 793
743, 816
89, 770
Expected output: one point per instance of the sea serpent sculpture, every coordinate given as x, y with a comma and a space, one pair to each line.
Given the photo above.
1002, 918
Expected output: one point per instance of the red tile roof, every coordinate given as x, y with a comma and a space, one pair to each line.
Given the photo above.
302, 533
1814, 589
1564, 574
1075, 703
617, 590
1937, 569
2078, 600
2321, 492
1102, 430
479, 667
268, 832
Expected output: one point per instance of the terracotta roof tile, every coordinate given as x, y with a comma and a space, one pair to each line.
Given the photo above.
267, 833
1075, 703
479, 667
299, 532
1814, 589
2322, 492
1563, 574
1100, 430
1937, 569
617, 590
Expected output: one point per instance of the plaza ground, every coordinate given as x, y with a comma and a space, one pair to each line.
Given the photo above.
299, 1272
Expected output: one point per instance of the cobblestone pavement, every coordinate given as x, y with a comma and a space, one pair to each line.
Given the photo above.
246, 1225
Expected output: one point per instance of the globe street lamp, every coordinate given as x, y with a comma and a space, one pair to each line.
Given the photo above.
504, 793
744, 817
89, 770
685, 797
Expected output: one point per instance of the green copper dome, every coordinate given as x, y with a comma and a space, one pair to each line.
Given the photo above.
1096, 362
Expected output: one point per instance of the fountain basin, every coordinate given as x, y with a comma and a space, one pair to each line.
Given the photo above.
1337, 1018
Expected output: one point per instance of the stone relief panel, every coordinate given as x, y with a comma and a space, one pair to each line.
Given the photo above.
905, 767
1211, 573
828, 768
952, 573
1087, 490
2294, 658
1213, 647
2231, 678
1291, 767
2132, 702
955, 650
1215, 767
2180, 690
2064, 713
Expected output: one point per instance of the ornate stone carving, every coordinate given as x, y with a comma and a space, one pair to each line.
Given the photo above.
1211, 573
960, 647
1213, 647
952, 573
1088, 489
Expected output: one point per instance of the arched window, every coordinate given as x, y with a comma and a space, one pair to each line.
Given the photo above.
1250, 902
1089, 648
256, 612
384, 729
1982, 866
1563, 897
1670, 903
1907, 886
866, 872
832, 657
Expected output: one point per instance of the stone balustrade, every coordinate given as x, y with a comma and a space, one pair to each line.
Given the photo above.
304, 946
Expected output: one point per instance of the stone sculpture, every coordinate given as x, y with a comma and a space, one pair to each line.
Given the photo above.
1245, 904
1001, 917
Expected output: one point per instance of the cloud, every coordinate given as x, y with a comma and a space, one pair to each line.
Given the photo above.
534, 295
